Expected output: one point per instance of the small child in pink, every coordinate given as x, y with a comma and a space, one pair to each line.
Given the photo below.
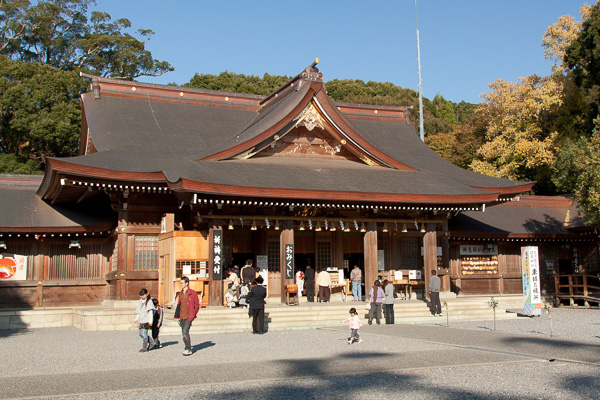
354, 326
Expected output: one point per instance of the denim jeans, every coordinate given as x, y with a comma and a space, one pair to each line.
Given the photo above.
357, 290
185, 332
143, 334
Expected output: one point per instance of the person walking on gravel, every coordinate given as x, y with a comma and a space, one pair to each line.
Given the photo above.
186, 311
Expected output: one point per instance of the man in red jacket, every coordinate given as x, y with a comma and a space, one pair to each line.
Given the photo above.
188, 305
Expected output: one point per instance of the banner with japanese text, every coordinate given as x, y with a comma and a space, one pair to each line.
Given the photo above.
289, 261
217, 246
532, 297
13, 267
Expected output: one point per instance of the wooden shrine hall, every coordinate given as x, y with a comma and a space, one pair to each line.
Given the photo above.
173, 181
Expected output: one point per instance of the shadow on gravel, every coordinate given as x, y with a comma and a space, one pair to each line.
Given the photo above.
13, 332
552, 342
585, 383
200, 346
167, 344
371, 385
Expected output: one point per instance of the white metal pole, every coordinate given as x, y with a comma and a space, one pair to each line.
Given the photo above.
421, 128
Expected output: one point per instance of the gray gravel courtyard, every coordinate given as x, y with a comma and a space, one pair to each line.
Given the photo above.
468, 360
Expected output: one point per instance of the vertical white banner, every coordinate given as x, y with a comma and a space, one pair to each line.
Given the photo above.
532, 297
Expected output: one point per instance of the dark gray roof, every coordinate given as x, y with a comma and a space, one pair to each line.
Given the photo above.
23, 209
530, 215
150, 133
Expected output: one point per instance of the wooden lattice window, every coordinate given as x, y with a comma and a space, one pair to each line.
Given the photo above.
409, 250
146, 252
196, 267
273, 255
323, 255
83, 263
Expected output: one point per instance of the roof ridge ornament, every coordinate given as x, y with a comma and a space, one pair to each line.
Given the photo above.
311, 74
310, 118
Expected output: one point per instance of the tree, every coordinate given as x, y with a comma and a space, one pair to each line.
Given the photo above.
582, 59
237, 83
559, 36
39, 110
577, 170
58, 33
461, 143
444, 109
520, 143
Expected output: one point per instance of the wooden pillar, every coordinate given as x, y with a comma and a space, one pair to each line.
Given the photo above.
446, 257
338, 250
216, 277
429, 254
121, 290
370, 244
286, 238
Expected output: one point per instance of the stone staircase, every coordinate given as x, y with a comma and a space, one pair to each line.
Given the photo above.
119, 315
318, 315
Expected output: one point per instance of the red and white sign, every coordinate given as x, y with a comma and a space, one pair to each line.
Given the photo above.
13, 267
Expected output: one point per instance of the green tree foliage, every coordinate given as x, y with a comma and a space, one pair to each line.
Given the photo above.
58, 33
43, 46
237, 83
582, 59
11, 164
438, 115
461, 143
577, 166
577, 169
39, 110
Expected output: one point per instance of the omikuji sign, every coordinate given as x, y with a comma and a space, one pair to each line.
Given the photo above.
532, 297
289, 261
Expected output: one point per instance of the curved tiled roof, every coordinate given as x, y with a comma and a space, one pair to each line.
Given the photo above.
189, 140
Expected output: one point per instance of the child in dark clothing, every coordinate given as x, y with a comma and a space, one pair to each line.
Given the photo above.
157, 321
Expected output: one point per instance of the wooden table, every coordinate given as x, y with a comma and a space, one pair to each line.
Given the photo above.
405, 286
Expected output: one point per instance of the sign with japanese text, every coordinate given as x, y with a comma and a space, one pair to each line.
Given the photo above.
217, 260
13, 267
289, 261
532, 296
478, 250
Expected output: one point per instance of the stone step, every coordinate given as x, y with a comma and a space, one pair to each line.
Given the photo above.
120, 315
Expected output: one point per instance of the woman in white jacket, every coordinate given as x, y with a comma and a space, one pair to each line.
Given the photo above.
145, 312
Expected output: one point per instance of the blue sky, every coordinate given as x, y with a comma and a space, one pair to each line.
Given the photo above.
465, 45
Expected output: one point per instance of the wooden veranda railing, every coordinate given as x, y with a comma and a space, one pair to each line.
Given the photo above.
577, 287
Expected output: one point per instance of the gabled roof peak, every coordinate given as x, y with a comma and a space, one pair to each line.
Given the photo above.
309, 74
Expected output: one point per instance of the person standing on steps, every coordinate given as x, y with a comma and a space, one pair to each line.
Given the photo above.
186, 310
388, 303
376, 296
309, 283
324, 284
248, 274
434, 293
256, 299
356, 278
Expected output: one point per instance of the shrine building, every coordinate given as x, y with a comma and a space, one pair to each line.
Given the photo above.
173, 181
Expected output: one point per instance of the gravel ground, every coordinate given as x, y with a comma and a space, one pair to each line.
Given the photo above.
468, 360
566, 323
497, 382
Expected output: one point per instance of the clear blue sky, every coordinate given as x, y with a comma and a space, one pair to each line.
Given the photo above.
465, 45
